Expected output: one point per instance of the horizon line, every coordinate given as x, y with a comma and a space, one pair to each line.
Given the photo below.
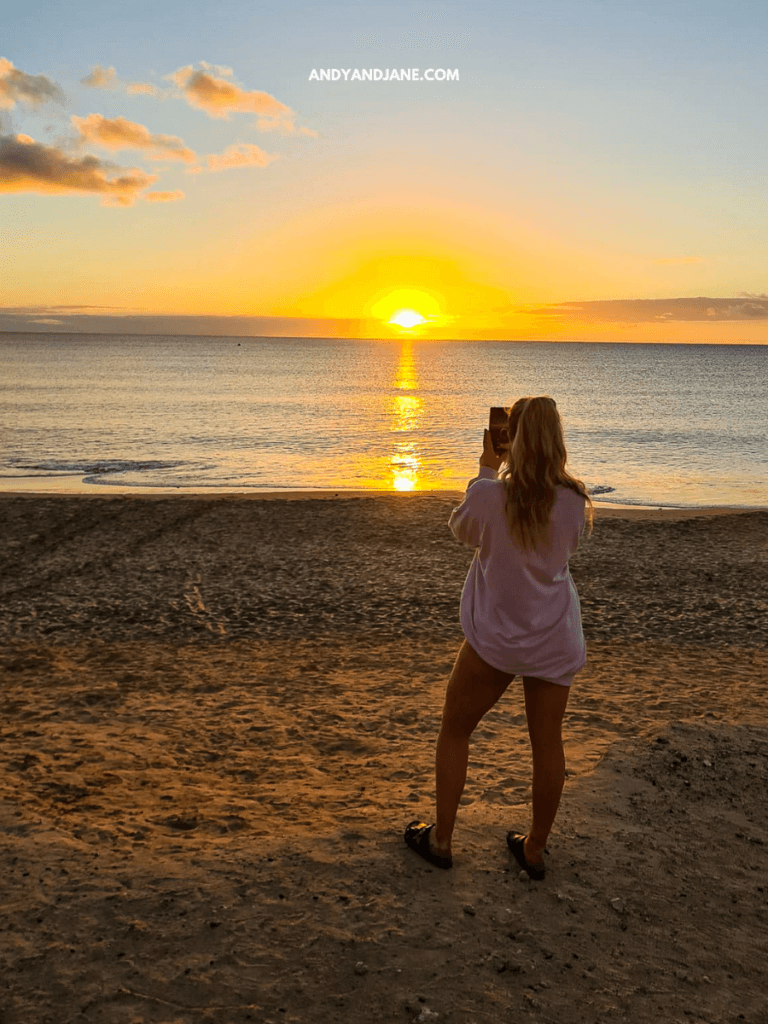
404, 338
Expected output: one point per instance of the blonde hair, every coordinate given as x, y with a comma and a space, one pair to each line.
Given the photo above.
535, 467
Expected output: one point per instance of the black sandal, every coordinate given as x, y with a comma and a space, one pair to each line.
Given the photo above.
516, 842
417, 838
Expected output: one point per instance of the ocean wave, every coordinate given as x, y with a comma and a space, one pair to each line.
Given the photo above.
91, 467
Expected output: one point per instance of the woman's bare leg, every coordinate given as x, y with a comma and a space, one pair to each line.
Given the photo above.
473, 688
544, 709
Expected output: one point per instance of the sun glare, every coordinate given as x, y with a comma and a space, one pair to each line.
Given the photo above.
407, 310
404, 483
406, 318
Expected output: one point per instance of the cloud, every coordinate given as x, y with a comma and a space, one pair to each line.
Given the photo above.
107, 78
124, 321
101, 78
143, 89
655, 310
284, 126
29, 166
243, 155
748, 310
164, 197
681, 259
64, 310
220, 97
118, 133
212, 90
227, 72
17, 86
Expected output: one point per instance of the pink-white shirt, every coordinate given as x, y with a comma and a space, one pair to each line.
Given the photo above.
520, 609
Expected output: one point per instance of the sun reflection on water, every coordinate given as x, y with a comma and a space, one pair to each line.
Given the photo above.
406, 416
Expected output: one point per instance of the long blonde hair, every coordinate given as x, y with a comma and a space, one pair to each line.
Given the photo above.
535, 467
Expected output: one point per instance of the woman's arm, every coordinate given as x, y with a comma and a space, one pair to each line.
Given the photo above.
466, 521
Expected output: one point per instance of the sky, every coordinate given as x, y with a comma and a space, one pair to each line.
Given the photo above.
573, 171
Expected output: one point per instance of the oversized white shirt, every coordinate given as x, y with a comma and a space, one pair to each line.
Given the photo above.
520, 609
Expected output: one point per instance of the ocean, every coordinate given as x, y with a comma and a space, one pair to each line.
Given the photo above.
671, 425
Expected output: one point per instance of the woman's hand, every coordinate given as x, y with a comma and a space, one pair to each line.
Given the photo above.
489, 457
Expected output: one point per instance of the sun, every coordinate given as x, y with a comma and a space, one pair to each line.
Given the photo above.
406, 318
407, 310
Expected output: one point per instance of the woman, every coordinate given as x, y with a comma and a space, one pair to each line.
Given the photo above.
520, 615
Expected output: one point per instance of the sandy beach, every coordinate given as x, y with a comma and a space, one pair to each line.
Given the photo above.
219, 713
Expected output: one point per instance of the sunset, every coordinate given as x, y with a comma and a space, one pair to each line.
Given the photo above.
406, 318
384, 504
208, 174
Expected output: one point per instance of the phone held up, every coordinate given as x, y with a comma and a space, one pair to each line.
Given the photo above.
497, 425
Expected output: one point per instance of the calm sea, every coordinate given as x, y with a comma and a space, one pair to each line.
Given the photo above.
645, 424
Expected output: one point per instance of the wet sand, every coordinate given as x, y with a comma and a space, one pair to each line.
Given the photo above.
218, 714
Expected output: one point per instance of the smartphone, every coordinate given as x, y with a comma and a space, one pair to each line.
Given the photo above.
497, 425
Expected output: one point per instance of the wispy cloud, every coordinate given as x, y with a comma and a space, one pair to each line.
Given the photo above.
744, 307
243, 155
65, 310
16, 85
114, 320
29, 166
144, 89
210, 88
164, 197
285, 127
118, 133
108, 78
218, 68
101, 78
219, 97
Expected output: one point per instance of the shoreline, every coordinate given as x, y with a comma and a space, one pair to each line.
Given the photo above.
602, 509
